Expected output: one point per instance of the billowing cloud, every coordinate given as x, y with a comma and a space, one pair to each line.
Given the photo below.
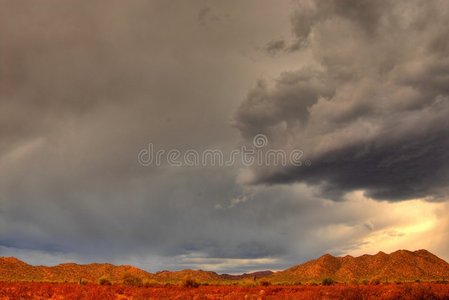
371, 109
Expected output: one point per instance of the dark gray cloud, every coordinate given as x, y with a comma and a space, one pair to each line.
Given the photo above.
275, 46
84, 87
371, 109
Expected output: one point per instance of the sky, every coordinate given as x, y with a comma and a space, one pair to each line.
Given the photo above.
90, 91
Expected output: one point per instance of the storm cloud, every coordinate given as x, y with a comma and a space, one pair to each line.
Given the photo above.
361, 87
84, 87
371, 107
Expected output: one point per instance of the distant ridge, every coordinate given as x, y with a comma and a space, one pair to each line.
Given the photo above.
254, 275
401, 265
13, 269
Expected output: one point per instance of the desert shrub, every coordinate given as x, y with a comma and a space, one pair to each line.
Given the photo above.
151, 283
82, 281
190, 283
375, 281
104, 281
442, 281
247, 282
327, 281
365, 281
265, 283
129, 279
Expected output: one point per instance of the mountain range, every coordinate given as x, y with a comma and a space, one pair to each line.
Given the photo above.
401, 265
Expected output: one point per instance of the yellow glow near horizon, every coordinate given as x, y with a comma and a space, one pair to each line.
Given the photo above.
410, 225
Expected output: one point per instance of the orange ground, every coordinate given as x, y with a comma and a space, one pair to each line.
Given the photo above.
339, 291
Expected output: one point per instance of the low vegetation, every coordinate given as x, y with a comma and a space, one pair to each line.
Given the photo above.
104, 281
132, 280
190, 283
328, 281
406, 291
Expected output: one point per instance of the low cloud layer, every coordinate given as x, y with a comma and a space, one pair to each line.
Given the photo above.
370, 109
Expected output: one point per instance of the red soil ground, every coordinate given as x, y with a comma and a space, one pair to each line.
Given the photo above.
337, 291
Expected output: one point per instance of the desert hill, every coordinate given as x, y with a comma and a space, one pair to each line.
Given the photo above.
12, 269
401, 265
